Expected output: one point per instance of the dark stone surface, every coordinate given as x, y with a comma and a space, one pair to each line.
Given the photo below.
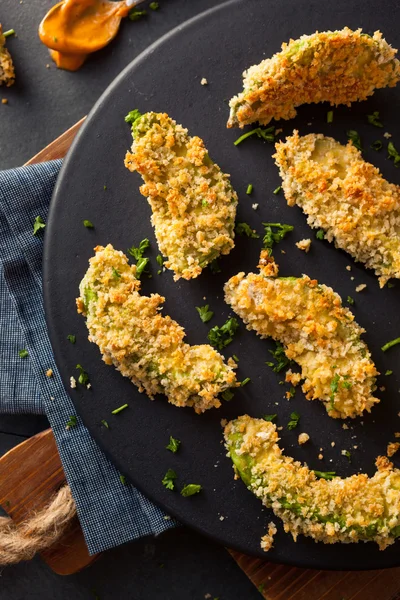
43, 104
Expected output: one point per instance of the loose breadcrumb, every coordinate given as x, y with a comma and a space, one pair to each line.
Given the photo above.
397, 434
143, 345
392, 448
304, 245
346, 197
387, 135
268, 539
72, 382
4, 101
49, 372
192, 200
339, 67
361, 287
347, 510
303, 438
316, 331
204, 81
348, 267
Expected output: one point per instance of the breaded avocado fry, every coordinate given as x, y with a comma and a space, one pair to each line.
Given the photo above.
316, 331
346, 197
339, 67
354, 509
7, 74
193, 202
141, 343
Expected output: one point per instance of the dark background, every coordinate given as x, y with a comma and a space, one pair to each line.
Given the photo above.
42, 104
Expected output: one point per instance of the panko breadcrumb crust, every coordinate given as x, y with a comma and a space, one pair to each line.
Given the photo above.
193, 202
348, 510
7, 73
141, 343
346, 197
339, 67
316, 331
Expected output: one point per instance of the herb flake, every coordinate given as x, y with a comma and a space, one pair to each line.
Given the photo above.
119, 409
205, 314
377, 145
219, 337
71, 338
392, 153
374, 119
132, 116
275, 233
294, 420
173, 445
83, 376
249, 189
350, 300
168, 480
282, 361
88, 224
23, 353
355, 138
38, 224
72, 422
325, 474
190, 489
329, 116
390, 344
245, 229
270, 418
267, 135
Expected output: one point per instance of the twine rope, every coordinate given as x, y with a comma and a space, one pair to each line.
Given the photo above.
23, 541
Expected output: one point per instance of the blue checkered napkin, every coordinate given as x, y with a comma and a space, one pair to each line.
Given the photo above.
110, 513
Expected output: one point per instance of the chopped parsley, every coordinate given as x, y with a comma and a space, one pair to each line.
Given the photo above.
190, 489
116, 273
137, 254
219, 337
355, 138
245, 229
154, 5
132, 116
249, 189
72, 421
122, 479
9, 32
38, 224
83, 376
104, 422
88, 224
235, 358
173, 445
282, 361
119, 409
160, 262
71, 338
136, 14
227, 395
266, 134
377, 145
270, 417
168, 479
325, 474
350, 300
274, 233
245, 381
320, 235
329, 116
204, 313
23, 353
334, 388
261, 587
214, 267
104, 187
294, 420
277, 190
347, 454
388, 372
391, 285
374, 119
390, 344
292, 392
392, 153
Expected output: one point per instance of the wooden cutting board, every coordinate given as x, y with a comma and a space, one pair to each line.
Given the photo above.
31, 472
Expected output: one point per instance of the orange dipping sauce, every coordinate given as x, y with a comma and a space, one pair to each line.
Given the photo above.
75, 28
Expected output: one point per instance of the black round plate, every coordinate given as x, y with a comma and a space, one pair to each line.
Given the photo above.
95, 185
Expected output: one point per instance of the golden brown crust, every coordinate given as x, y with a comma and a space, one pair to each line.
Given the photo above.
7, 72
193, 202
339, 67
346, 197
144, 345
